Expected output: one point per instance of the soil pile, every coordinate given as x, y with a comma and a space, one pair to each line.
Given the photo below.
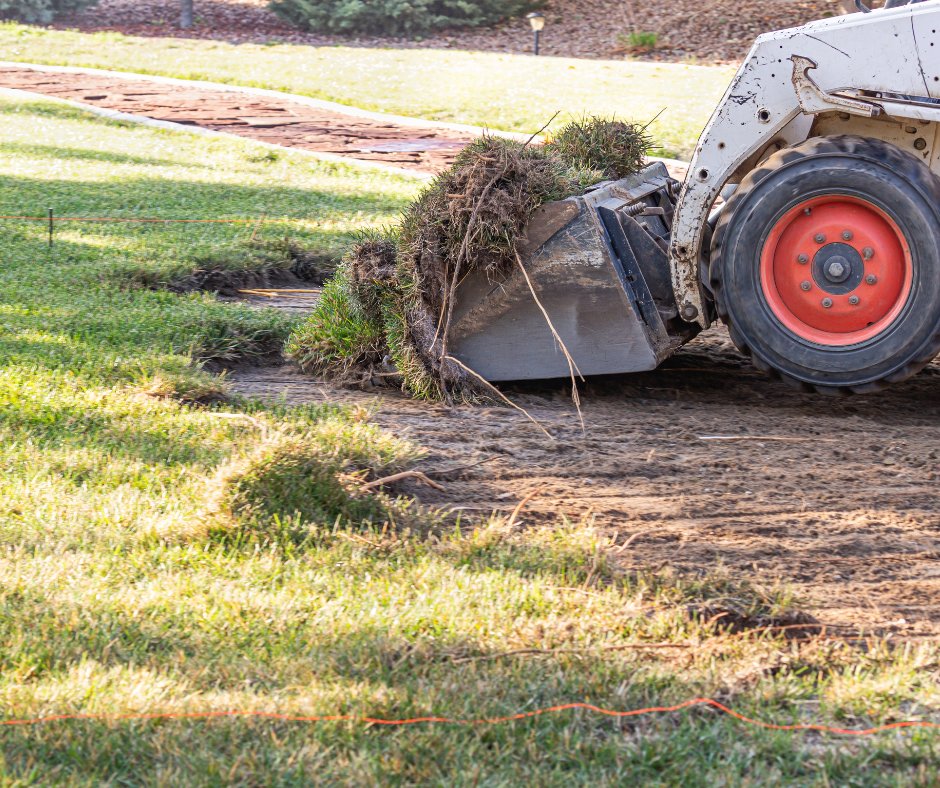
390, 305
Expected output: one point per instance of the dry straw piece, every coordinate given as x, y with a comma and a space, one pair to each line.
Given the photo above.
390, 305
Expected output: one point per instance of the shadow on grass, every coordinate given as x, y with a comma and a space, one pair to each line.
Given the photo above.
42, 151
107, 435
182, 199
695, 748
377, 634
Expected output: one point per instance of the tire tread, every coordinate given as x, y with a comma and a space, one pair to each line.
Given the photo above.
863, 147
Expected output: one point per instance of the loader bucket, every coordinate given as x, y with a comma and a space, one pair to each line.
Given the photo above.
599, 267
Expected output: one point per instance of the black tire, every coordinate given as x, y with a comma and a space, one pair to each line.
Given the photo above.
881, 175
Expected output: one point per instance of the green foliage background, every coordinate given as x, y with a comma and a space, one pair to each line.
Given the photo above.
41, 11
396, 17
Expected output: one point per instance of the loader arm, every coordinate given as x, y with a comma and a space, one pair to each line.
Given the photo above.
787, 78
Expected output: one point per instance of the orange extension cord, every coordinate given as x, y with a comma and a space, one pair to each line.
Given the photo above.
77, 219
522, 716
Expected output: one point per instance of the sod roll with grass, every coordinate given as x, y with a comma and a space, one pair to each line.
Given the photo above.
390, 305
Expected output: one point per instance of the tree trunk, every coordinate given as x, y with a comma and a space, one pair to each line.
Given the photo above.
186, 13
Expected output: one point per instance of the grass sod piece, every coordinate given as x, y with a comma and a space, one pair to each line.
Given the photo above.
339, 336
303, 475
401, 281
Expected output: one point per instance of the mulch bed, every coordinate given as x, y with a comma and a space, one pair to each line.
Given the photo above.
713, 31
269, 119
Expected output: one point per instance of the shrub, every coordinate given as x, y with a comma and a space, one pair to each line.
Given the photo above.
40, 11
642, 41
396, 17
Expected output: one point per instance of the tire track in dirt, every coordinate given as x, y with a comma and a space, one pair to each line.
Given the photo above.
861, 482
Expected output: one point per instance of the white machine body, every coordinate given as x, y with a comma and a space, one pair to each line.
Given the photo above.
872, 74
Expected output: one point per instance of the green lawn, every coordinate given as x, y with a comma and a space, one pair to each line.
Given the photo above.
122, 590
514, 93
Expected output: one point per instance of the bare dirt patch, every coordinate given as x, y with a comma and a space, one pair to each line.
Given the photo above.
274, 287
836, 497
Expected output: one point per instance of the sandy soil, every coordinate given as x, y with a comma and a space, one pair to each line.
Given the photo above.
836, 497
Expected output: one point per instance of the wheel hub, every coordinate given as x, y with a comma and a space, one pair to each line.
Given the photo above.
838, 268
855, 286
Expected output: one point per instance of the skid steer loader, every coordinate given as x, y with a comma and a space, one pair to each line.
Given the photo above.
823, 262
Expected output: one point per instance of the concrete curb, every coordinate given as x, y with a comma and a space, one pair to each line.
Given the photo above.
143, 120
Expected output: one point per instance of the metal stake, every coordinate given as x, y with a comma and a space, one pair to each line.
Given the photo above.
50, 227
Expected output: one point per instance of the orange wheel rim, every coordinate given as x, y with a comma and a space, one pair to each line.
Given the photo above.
836, 270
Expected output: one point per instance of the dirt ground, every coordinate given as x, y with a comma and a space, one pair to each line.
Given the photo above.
835, 497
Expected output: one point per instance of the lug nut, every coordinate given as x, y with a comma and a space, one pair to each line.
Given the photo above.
868, 253
836, 270
853, 300
871, 279
846, 235
819, 238
827, 302
804, 285
802, 259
